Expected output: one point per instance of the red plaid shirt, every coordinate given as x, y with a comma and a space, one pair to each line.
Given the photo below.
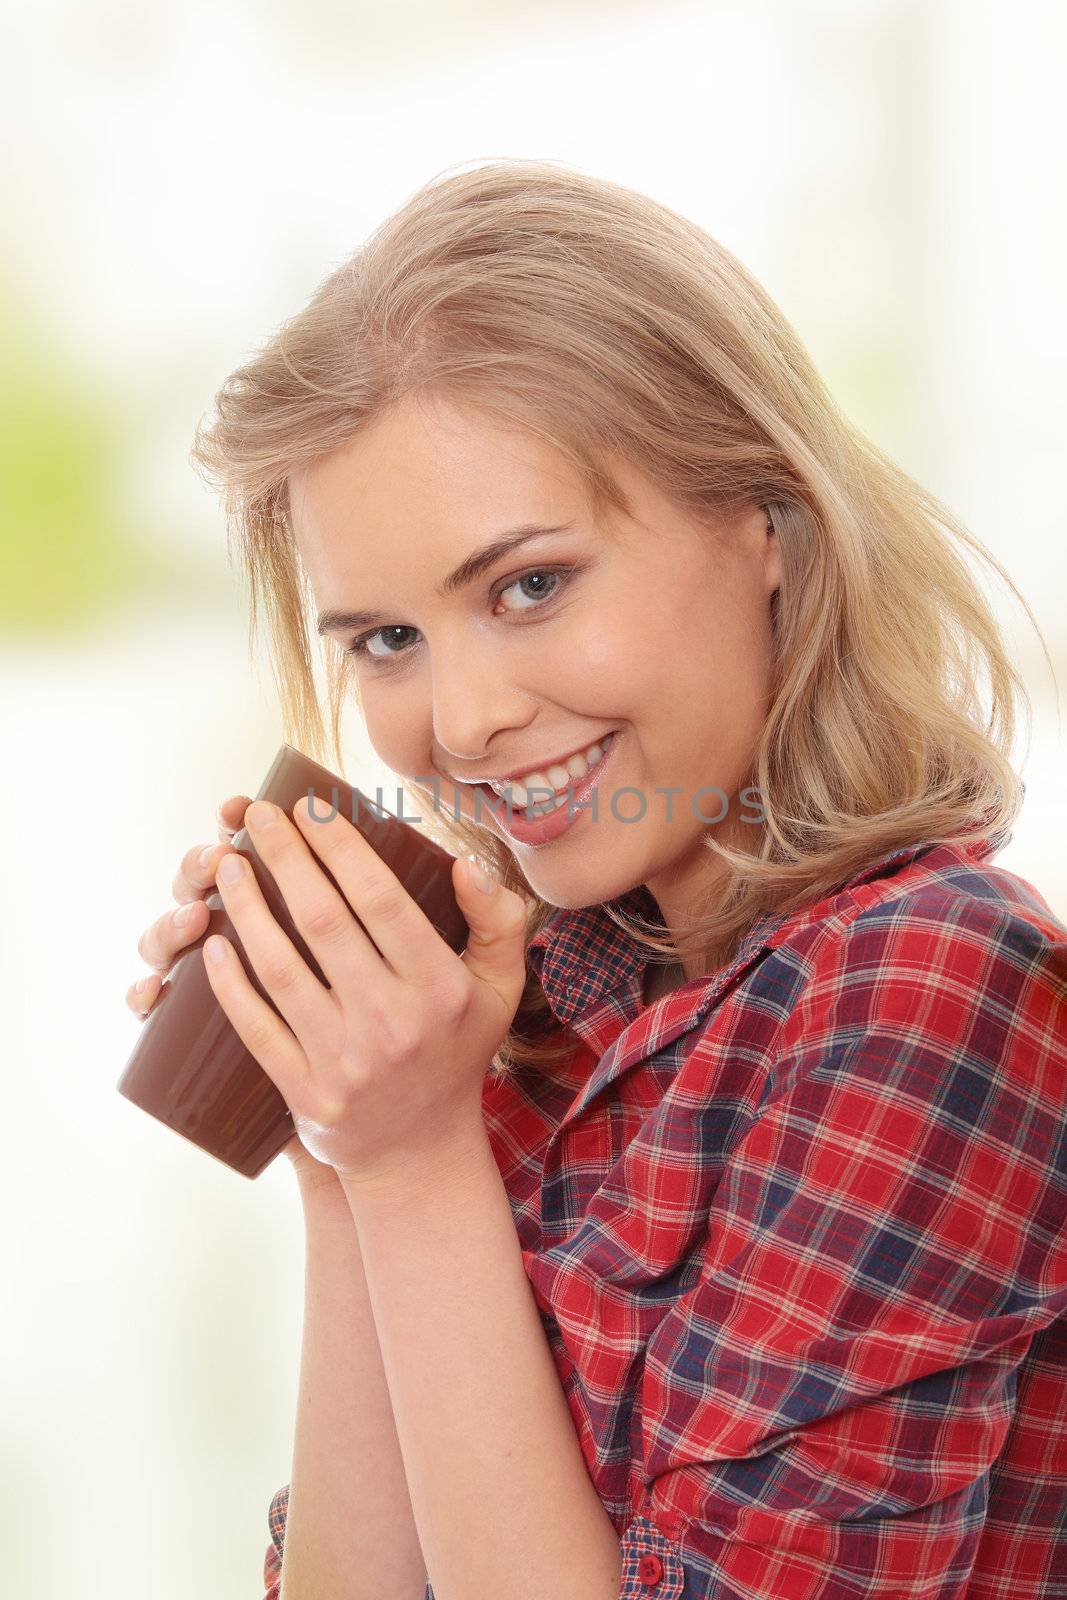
798, 1236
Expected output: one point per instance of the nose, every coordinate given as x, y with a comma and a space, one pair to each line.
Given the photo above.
476, 705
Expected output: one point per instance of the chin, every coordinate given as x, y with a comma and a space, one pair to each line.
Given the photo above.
582, 894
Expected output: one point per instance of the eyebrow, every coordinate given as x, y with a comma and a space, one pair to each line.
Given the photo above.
476, 563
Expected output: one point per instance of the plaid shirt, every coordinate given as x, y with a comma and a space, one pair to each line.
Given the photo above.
797, 1234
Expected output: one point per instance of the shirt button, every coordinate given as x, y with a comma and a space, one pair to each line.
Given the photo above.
650, 1569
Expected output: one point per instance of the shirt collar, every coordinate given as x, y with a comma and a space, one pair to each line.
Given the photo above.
581, 957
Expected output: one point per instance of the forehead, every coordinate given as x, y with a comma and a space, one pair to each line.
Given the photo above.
427, 476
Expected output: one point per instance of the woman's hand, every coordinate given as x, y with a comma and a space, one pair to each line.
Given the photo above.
162, 943
385, 1066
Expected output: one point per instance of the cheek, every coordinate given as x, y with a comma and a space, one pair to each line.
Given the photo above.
707, 659
614, 648
399, 726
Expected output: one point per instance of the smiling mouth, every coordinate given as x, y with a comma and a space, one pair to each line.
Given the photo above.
546, 804
518, 778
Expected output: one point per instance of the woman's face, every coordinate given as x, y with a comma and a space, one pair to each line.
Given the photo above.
651, 625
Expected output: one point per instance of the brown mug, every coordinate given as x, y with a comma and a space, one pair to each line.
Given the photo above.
189, 1067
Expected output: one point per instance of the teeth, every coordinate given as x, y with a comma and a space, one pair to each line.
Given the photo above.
559, 777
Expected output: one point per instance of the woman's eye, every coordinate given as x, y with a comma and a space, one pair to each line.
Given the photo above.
538, 595
362, 647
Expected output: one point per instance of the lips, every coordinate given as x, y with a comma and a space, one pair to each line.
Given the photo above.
520, 773
515, 824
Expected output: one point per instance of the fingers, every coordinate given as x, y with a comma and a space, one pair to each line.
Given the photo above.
196, 875
230, 815
322, 915
159, 945
171, 932
395, 922
306, 1005
230, 818
142, 995
257, 1025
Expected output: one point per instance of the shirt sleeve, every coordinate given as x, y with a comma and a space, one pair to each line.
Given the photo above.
822, 1408
272, 1563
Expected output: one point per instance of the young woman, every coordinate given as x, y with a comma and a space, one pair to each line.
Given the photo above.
700, 1231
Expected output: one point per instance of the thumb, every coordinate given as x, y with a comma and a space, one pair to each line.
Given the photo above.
496, 947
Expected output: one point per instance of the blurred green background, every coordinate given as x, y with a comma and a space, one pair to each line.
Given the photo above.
178, 181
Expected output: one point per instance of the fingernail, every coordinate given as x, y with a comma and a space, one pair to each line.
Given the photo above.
206, 853
182, 913
231, 868
482, 880
142, 983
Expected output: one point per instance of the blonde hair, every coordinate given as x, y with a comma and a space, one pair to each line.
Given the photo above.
604, 322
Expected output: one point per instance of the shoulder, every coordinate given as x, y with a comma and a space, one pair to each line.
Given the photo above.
946, 914
943, 907
935, 909
953, 964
